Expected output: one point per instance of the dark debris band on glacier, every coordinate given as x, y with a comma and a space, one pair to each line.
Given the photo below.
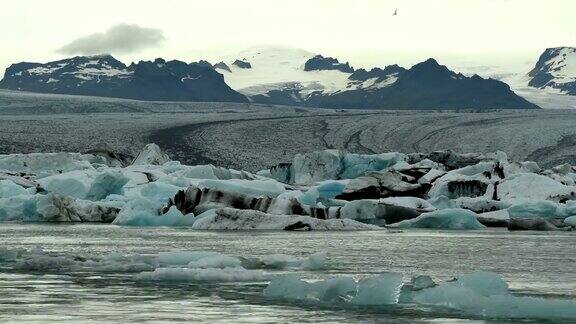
252, 137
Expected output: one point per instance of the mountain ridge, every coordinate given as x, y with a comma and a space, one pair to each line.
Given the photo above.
104, 76
277, 76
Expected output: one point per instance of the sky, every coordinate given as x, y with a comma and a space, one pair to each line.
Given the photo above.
463, 34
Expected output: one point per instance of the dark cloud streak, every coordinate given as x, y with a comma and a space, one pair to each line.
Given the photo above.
119, 39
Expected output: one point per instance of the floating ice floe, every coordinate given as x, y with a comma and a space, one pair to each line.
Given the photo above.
170, 266
325, 190
481, 294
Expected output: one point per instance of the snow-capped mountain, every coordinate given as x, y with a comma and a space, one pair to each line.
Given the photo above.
276, 75
555, 69
105, 76
268, 75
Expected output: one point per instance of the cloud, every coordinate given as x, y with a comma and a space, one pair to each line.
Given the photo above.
119, 39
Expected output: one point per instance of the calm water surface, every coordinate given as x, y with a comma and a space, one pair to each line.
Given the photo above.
537, 264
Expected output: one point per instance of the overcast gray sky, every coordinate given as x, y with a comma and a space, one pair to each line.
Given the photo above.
458, 32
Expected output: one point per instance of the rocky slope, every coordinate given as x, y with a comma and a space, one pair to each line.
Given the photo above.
555, 69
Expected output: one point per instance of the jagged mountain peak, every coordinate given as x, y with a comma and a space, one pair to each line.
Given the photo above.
556, 69
320, 63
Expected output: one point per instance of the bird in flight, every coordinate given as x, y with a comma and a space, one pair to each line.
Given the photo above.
395, 13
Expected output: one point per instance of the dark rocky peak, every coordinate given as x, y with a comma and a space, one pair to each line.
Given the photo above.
242, 64
430, 70
558, 53
203, 63
553, 69
363, 75
222, 66
159, 61
320, 63
66, 66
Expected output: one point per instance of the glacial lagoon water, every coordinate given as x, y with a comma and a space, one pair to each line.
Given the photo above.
533, 264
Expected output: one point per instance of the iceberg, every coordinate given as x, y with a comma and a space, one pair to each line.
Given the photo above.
10, 189
487, 295
237, 274
529, 186
444, 219
382, 289
324, 190
571, 221
480, 294
292, 287
316, 261
310, 168
237, 219
151, 155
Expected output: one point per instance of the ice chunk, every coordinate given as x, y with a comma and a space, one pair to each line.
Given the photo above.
544, 209
270, 188
333, 165
109, 182
384, 211
10, 189
529, 186
374, 185
73, 184
142, 212
316, 261
487, 295
157, 192
409, 202
458, 219
331, 189
455, 185
54, 208
237, 274
383, 289
316, 166
91, 185
235, 219
431, 176
498, 218
44, 164
330, 290
151, 154
570, 221
206, 172
19, 208
442, 202
184, 257
216, 262
356, 165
